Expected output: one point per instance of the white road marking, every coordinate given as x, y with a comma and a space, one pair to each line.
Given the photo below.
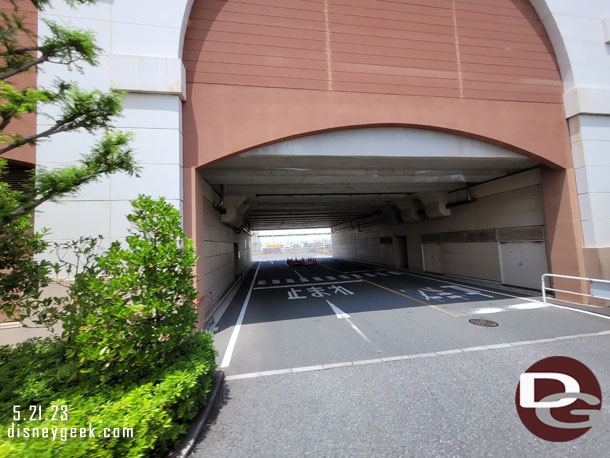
528, 306
370, 275
317, 279
299, 275
330, 277
314, 284
275, 282
290, 280
516, 297
304, 280
261, 282
499, 346
344, 276
383, 274
226, 360
484, 311
356, 276
393, 272
340, 313
367, 361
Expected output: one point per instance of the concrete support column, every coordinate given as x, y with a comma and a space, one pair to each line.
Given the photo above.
590, 136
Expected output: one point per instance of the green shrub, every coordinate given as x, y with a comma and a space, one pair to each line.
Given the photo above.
157, 407
133, 304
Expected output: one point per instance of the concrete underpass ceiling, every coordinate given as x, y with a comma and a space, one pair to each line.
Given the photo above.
332, 178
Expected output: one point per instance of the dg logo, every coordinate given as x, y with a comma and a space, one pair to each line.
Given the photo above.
559, 399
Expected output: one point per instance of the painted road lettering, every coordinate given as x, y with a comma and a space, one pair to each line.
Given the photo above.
443, 292
318, 291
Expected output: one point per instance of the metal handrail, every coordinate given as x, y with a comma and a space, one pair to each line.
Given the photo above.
545, 288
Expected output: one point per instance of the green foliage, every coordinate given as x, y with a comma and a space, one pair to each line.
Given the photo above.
132, 305
158, 406
91, 111
136, 303
21, 277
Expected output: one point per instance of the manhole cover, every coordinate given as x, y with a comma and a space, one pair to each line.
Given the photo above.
484, 323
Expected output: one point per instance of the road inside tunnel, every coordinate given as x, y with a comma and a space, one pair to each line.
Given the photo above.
341, 311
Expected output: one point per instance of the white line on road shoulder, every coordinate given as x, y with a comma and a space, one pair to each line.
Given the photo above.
295, 370
226, 360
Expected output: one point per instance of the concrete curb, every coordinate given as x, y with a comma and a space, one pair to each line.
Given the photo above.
190, 439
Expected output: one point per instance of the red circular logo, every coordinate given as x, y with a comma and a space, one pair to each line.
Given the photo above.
559, 399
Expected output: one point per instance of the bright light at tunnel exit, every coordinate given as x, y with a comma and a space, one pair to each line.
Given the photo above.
291, 243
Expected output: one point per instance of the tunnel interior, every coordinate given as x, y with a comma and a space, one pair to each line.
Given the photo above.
396, 196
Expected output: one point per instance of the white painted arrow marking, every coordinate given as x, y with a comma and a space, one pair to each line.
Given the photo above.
342, 315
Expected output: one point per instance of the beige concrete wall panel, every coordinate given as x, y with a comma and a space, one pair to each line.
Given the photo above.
479, 260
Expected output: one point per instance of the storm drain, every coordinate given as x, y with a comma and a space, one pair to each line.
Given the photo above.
484, 323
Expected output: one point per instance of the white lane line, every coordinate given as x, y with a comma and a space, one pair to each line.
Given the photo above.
356, 276
345, 277
342, 315
330, 277
508, 308
485, 311
393, 272
528, 306
313, 284
383, 274
290, 280
367, 361
226, 360
598, 315
261, 282
304, 280
299, 275
370, 275
389, 359
317, 279
275, 282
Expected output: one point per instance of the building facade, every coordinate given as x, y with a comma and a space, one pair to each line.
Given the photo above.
453, 136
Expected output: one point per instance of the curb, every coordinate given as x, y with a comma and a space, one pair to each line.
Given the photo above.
190, 439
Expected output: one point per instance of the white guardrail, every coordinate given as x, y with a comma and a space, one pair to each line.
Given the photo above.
599, 289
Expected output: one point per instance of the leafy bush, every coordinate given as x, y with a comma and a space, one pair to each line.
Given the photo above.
135, 304
157, 406
21, 276
131, 305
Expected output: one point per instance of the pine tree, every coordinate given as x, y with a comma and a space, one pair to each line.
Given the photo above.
22, 274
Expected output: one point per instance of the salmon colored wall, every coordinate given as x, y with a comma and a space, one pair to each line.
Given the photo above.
483, 68
27, 125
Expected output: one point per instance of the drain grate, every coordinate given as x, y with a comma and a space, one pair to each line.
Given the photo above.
484, 323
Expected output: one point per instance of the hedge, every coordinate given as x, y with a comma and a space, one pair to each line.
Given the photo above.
158, 406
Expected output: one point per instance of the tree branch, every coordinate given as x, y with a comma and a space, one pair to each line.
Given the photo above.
57, 128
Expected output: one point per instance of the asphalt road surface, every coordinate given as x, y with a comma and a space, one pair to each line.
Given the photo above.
349, 359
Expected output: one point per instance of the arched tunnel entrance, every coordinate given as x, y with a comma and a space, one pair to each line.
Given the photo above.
396, 196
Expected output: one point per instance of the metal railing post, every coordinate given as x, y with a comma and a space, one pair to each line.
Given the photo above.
543, 288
